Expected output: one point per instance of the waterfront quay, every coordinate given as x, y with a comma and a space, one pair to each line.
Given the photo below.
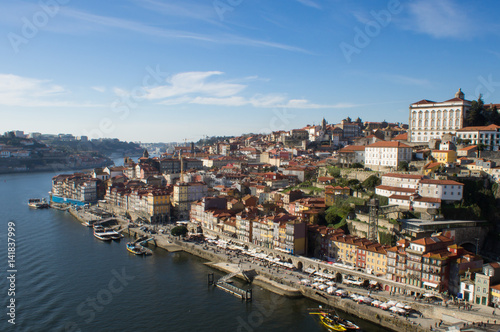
286, 282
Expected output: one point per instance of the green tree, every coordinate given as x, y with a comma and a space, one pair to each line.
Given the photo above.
356, 165
371, 182
334, 172
475, 117
179, 231
403, 166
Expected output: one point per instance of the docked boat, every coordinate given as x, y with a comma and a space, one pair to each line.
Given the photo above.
136, 250
330, 319
101, 233
106, 234
38, 203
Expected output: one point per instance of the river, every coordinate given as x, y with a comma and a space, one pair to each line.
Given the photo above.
67, 280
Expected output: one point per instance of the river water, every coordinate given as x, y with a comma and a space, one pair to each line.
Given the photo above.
67, 280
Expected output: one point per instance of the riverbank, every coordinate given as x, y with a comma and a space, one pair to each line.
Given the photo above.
284, 283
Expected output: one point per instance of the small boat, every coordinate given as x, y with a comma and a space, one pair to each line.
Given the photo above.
38, 203
328, 321
136, 250
334, 322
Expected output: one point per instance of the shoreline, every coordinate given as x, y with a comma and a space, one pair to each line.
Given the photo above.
275, 285
265, 281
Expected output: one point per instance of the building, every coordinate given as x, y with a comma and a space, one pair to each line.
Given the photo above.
444, 156
76, 189
431, 120
186, 193
352, 154
445, 190
383, 155
489, 136
483, 284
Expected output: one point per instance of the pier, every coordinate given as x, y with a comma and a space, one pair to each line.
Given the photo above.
223, 284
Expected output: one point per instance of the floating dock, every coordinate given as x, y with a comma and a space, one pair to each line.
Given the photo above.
223, 284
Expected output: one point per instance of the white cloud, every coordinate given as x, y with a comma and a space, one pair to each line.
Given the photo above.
309, 3
442, 19
200, 88
100, 89
222, 38
32, 92
407, 80
194, 83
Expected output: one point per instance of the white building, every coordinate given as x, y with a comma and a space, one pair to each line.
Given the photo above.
445, 190
385, 154
401, 180
352, 154
486, 135
430, 120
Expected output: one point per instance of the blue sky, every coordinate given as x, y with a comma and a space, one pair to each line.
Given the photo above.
157, 70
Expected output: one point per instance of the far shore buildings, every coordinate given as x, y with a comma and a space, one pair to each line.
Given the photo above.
431, 120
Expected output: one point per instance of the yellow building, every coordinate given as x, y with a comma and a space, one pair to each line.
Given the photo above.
158, 204
444, 156
346, 248
431, 168
376, 259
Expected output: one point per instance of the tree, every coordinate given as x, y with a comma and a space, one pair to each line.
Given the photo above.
475, 117
179, 231
334, 172
404, 166
371, 182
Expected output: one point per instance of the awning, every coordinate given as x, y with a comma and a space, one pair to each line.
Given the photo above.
430, 284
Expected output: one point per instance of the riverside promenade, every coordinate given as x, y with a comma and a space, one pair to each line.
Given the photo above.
284, 282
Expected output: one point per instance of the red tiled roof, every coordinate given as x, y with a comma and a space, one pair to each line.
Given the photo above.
390, 144
397, 189
467, 148
403, 176
432, 165
352, 148
417, 199
441, 182
424, 101
401, 137
480, 128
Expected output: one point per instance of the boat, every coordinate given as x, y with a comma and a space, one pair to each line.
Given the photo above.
101, 234
328, 322
38, 203
106, 234
136, 250
330, 319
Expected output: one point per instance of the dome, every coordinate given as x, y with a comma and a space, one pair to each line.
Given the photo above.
459, 94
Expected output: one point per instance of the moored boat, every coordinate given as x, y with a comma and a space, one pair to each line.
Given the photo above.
101, 234
38, 203
330, 319
131, 247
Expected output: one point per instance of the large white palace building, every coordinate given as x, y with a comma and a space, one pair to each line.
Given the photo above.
430, 120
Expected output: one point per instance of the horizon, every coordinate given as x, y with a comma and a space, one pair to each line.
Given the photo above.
149, 71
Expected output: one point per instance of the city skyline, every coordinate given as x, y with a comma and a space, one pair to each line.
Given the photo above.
150, 71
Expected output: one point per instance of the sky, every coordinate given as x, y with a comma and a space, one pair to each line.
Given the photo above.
178, 70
